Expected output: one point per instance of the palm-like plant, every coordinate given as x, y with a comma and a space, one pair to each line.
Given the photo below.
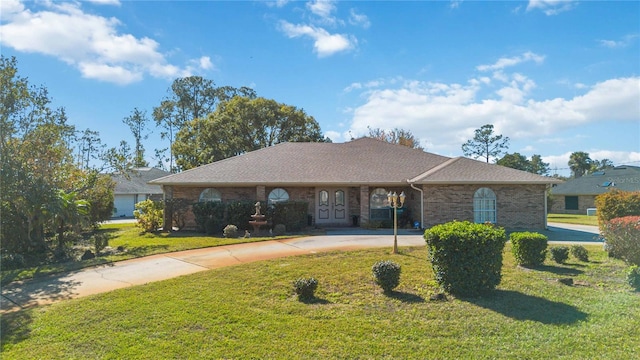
579, 163
66, 210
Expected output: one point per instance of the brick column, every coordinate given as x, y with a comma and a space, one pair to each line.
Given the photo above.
261, 193
364, 205
167, 221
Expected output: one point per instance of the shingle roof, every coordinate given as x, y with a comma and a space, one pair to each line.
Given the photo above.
626, 178
361, 161
137, 181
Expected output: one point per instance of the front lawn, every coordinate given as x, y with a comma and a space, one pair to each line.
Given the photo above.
573, 219
128, 237
249, 311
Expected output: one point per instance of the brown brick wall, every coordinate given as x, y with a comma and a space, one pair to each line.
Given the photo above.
584, 202
518, 206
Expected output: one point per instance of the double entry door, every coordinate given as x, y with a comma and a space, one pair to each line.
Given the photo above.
331, 206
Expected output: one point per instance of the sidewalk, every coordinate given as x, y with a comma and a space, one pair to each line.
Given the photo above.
89, 281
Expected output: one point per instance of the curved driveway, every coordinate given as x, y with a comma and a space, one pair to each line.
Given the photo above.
23, 294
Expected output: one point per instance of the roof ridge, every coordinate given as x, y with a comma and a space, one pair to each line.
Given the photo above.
434, 169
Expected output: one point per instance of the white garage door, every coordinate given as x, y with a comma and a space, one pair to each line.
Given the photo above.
124, 205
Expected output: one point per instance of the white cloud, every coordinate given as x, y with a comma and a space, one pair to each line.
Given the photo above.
322, 8
560, 163
503, 63
105, 2
91, 43
325, 44
551, 7
359, 19
447, 114
624, 42
454, 4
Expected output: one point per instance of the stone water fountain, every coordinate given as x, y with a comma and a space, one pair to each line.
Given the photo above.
258, 220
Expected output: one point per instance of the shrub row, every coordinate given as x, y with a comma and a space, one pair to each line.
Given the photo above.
213, 217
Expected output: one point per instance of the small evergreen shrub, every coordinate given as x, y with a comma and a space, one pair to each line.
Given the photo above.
149, 214
623, 239
528, 248
230, 231
633, 277
579, 252
386, 274
466, 258
100, 241
279, 230
305, 288
559, 254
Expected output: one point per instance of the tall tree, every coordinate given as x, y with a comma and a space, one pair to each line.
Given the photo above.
520, 162
396, 136
37, 164
485, 144
599, 165
241, 125
137, 123
579, 163
538, 166
191, 98
89, 147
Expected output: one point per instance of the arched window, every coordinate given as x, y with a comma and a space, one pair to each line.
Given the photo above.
379, 205
278, 195
484, 206
210, 194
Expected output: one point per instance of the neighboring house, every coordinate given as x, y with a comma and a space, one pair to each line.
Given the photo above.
575, 196
341, 181
134, 188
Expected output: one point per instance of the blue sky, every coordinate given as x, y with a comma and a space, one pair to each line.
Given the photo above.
554, 76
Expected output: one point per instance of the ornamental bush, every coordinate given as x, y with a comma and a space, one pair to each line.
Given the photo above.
559, 254
305, 288
633, 277
149, 215
579, 252
466, 258
616, 204
386, 274
622, 236
528, 248
230, 231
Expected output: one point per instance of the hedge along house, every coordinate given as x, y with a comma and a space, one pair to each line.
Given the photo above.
577, 195
347, 184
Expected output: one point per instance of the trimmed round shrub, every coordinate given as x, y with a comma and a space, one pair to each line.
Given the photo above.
579, 252
305, 288
230, 231
528, 248
633, 277
466, 258
386, 274
279, 230
559, 254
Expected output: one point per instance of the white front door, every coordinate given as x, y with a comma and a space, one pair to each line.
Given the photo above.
331, 206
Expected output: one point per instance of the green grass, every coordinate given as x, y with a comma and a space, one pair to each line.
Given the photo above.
250, 311
573, 219
136, 245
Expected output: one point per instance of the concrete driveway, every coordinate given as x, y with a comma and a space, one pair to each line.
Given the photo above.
88, 281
